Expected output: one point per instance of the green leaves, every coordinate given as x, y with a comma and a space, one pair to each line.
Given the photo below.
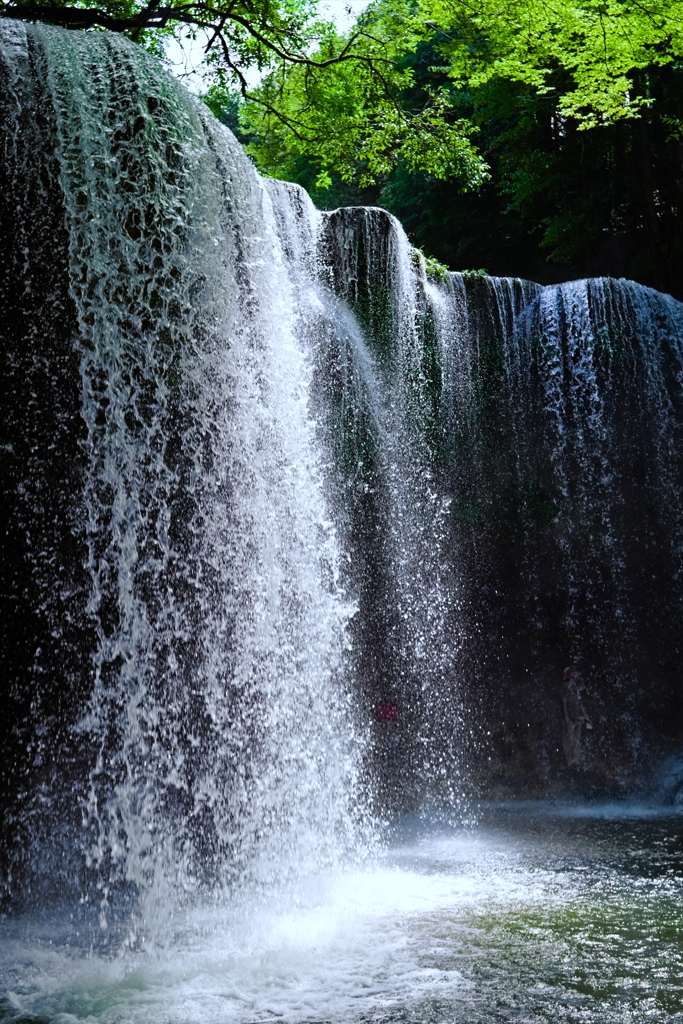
354, 117
350, 104
361, 117
598, 43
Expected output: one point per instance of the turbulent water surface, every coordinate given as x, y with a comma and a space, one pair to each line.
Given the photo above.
557, 913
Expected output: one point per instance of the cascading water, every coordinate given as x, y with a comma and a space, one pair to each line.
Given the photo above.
299, 539
387, 396
509, 461
210, 736
565, 470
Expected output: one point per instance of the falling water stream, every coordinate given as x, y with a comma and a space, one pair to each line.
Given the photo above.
297, 542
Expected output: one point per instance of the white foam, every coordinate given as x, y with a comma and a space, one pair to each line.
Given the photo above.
363, 941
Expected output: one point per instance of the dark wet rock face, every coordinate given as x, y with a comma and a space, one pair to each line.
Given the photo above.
44, 582
547, 424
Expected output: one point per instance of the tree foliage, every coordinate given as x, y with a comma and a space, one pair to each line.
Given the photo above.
353, 116
350, 103
561, 201
600, 44
589, 57
239, 34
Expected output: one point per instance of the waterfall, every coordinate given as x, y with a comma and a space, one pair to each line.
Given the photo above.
297, 537
562, 410
510, 471
385, 368
189, 724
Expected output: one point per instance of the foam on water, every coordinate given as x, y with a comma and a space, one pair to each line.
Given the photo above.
618, 810
365, 940
533, 913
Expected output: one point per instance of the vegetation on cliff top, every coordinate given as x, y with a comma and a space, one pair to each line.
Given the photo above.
504, 133
344, 99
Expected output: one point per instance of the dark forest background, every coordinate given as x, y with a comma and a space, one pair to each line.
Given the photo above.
561, 202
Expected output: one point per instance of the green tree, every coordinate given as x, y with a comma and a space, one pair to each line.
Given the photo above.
348, 103
578, 111
335, 94
601, 45
350, 117
561, 202
590, 56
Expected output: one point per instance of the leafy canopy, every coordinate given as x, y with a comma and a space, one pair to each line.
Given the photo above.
355, 117
599, 43
347, 100
594, 52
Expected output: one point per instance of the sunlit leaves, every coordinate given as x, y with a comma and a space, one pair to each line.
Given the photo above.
588, 56
599, 43
352, 117
347, 102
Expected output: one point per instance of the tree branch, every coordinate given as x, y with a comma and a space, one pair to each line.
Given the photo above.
201, 15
